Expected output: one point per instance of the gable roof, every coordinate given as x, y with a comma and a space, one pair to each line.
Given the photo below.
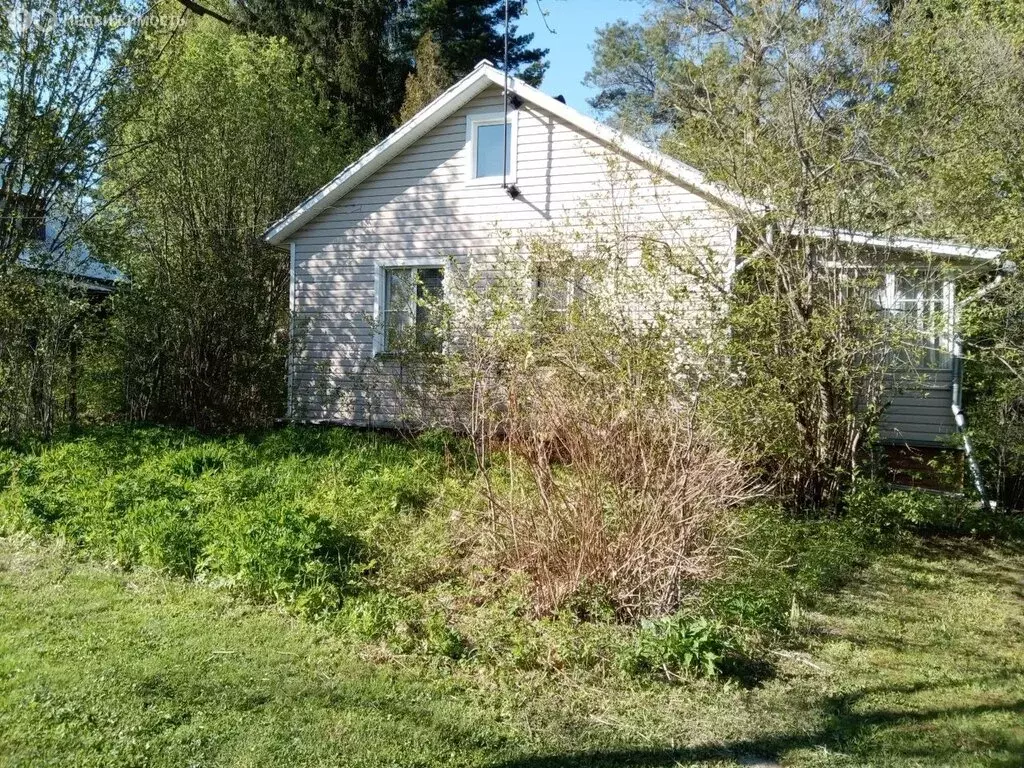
67, 257
485, 75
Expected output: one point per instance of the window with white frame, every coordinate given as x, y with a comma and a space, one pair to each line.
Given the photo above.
923, 303
491, 147
558, 288
408, 298
552, 291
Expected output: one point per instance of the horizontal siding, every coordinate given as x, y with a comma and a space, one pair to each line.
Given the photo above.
919, 408
419, 206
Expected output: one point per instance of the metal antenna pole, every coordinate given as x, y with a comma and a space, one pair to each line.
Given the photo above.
504, 125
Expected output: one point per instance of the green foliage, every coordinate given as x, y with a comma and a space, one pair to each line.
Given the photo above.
428, 81
680, 645
808, 351
384, 541
359, 55
43, 324
994, 390
918, 665
783, 565
470, 30
297, 516
228, 136
61, 65
58, 77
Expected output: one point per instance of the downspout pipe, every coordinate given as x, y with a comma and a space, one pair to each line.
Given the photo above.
961, 428
1005, 268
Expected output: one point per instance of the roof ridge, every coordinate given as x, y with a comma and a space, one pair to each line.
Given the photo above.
453, 99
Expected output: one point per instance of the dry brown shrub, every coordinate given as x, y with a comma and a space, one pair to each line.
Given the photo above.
607, 497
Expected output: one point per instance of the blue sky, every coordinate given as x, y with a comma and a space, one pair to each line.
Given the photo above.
575, 24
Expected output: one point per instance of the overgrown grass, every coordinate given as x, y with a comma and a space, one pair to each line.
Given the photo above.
918, 662
382, 539
299, 516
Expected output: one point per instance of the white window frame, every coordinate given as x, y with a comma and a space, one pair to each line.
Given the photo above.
949, 338
475, 120
380, 293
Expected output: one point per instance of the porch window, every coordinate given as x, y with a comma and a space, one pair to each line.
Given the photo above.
407, 304
923, 304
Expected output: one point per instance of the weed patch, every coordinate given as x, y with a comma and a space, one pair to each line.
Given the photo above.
386, 541
299, 517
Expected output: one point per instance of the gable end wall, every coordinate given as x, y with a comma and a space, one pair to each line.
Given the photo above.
418, 208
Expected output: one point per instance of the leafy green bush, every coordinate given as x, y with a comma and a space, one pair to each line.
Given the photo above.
298, 516
379, 536
8, 464
402, 624
892, 514
786, 562
279, 552
680, 645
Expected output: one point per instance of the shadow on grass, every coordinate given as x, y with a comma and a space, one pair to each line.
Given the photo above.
943, 733
844, 727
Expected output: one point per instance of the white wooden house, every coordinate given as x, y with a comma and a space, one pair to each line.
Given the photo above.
439, 188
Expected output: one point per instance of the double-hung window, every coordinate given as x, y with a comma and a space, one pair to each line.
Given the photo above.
922, 303
407, 302
491, 147
557, 289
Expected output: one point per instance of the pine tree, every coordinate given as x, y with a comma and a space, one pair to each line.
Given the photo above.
348, 48
467, 31
361, 52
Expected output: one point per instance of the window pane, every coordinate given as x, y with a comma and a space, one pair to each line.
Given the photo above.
919, 303
490, 139
410, 299
429, 291
399, 305
552, 291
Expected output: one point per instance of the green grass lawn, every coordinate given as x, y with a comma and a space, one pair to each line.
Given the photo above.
920, 662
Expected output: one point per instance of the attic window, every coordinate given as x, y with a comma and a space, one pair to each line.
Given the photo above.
491, 145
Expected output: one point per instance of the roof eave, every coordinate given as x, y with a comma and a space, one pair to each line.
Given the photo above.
449, 101
457, 96
911, 245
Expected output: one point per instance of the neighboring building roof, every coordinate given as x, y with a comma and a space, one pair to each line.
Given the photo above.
72, 260
483, 76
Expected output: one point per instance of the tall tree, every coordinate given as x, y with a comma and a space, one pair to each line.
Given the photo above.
958, 96
467, 31
428, 80
361, 52
59, 62
779, 100
350, 48
229, 139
